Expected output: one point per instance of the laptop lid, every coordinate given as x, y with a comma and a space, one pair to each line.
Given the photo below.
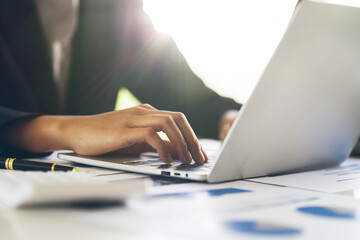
305, 110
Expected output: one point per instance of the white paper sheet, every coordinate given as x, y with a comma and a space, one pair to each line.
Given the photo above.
328, 217
264, 212
330, 180
322, 216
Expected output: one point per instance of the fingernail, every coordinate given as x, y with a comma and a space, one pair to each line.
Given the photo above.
169, 158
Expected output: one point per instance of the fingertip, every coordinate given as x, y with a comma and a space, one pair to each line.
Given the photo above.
205, 155
190, 158
200, 157
187, 159
169, 159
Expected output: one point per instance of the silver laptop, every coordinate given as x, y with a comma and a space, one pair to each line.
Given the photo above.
303, 114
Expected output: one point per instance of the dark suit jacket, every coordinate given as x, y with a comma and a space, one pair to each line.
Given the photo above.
114, 46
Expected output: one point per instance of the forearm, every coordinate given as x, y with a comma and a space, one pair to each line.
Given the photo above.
127, 130
36, 134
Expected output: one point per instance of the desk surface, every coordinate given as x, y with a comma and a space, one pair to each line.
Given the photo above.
232, 210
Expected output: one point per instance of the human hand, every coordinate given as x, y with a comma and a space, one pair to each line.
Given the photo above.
129, 131
132, 131
226, 120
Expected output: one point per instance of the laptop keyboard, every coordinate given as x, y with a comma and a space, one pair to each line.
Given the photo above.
212, 150
177, 165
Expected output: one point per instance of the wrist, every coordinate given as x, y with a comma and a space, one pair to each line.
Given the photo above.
54, 131
38, 134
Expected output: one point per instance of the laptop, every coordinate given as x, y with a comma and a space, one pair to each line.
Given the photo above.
303, 114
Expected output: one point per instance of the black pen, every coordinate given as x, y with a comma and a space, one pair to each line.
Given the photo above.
25, 165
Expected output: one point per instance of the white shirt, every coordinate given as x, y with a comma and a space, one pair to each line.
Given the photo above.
59, 20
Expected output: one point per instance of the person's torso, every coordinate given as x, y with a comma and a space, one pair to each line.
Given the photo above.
102, 45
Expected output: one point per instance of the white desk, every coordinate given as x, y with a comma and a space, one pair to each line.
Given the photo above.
196, 211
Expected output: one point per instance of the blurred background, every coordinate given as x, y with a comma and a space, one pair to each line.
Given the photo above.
226, 42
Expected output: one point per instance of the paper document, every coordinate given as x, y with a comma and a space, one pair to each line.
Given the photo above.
330, 216
330, 180
234, 210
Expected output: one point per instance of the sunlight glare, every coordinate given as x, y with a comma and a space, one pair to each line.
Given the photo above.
226, 42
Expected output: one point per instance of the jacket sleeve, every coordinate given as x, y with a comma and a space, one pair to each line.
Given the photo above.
8, 116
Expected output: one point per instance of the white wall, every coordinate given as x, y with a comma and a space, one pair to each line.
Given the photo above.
226, 42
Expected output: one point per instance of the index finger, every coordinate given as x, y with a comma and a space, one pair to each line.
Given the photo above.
189, 135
